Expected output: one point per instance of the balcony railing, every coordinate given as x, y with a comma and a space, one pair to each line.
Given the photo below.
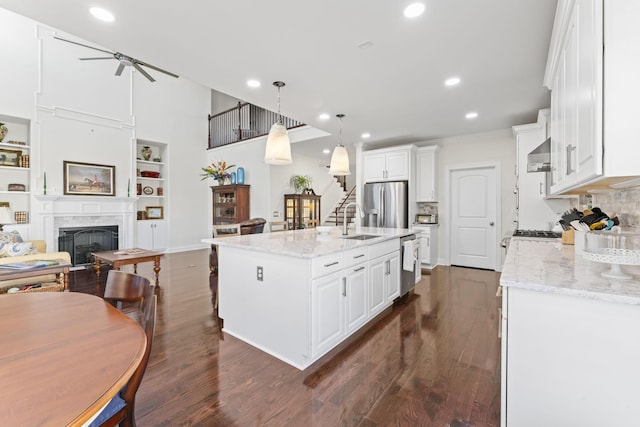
245, 121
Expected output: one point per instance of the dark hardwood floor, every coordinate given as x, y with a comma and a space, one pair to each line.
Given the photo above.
433, 360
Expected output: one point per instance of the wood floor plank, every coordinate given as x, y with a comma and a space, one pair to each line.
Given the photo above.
433, 360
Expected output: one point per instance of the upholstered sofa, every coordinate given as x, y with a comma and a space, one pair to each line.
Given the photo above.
49, 282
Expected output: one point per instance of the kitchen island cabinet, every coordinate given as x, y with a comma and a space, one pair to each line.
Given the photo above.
298, 294
569, 339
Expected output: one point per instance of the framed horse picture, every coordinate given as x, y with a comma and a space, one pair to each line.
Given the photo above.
89, 179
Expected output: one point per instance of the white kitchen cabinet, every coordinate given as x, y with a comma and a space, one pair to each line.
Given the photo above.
592, 70
327, 312
426, 174
428, 241
377, 280
151, 234
339, 306
574, 356
387, 164
393, 277
355, 297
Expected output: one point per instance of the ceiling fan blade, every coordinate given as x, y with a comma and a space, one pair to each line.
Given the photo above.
91, 59
119, 69
153, 67
143, 72
85, 45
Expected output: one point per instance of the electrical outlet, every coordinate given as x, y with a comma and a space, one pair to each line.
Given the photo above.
276, 214
259, 274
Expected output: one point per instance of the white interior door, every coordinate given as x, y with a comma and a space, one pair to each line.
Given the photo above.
474, 217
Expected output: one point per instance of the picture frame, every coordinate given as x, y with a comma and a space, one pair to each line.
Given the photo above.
155, 212
10, 157
89, 179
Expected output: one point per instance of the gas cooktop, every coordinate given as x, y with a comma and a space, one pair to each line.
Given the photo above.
537, 233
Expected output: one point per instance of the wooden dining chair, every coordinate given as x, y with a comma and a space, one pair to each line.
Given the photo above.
121, 409
226, 230
221, 230
129, 293
275, 226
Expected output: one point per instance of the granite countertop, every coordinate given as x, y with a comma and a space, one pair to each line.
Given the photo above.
546, 265
309, 243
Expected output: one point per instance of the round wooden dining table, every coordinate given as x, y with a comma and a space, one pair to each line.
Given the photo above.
63, 356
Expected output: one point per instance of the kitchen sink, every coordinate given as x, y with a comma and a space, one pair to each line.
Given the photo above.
361, 237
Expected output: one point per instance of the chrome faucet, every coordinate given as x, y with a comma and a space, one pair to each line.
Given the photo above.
345, 230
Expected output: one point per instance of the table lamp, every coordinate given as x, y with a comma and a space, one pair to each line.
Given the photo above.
6, 217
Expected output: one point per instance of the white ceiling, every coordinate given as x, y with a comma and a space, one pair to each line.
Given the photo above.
393, 89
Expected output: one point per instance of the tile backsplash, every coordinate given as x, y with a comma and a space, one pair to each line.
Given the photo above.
625, 203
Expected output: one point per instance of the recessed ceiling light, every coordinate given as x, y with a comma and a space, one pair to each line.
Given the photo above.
453, 81
471, 115
102, 14
366, 135
326, 151
414, 10
253, 83
324, 116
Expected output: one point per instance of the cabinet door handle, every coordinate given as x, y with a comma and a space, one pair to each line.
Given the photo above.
541, 189
330, 264
344, 286
359, 269
388, 267
499, 322
570, 169
358, 256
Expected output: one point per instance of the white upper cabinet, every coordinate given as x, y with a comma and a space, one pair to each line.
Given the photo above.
426, 174
388, 164
592, 70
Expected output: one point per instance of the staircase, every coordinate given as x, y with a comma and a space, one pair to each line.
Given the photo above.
334, 220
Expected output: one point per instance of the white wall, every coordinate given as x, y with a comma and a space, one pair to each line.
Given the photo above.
498, 146
80, 111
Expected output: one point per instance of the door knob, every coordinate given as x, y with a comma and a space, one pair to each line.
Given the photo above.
492, 223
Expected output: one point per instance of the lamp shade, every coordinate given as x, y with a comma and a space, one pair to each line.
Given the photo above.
278, 149
339, 161
6, 217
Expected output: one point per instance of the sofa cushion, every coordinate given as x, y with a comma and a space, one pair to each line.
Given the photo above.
10, 236
17, 249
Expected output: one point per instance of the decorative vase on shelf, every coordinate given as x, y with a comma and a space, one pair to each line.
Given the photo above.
3, 131
240, 175
146, 152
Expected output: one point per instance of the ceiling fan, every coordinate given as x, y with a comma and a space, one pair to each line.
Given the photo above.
124, 61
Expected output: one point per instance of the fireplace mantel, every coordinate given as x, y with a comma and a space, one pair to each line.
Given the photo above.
56, 211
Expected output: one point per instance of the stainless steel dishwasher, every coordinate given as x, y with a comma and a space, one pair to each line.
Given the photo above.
407, 278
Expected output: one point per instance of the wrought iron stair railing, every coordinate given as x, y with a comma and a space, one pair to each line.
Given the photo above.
242, 122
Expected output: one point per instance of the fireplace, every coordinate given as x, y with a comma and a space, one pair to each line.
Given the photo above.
80, 242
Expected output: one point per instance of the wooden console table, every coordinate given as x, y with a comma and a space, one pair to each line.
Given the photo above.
127, 256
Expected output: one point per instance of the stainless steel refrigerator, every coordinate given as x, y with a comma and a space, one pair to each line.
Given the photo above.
386, 204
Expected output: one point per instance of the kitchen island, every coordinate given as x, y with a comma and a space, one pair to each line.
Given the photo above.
570, 346
298, 294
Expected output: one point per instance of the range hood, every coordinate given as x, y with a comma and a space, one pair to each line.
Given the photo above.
539, 160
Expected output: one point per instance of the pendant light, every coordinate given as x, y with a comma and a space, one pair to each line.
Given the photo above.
278, 149
340, 157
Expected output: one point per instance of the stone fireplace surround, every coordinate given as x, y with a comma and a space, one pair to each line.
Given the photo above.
57, 211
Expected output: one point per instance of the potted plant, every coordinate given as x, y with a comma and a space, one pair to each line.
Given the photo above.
300, 182
218, 171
